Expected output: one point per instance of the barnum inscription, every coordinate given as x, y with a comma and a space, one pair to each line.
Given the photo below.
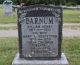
40, 20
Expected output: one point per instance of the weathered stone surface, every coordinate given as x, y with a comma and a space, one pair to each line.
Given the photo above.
40, 32
19, 61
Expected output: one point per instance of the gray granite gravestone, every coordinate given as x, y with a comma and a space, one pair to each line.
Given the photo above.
40, 35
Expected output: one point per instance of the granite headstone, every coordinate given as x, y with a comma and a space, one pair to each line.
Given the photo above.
40, 32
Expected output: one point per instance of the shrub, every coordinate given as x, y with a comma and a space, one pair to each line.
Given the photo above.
71, 4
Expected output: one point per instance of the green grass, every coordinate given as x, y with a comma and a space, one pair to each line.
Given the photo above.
71, 48
72, 16
7, 19
8, 49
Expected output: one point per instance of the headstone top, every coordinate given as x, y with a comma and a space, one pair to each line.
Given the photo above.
7, 2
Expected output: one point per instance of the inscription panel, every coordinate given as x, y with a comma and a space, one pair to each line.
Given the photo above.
40, 27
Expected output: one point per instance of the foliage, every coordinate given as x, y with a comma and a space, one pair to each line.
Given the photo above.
71, 4
16, 1
55, 2
1, 1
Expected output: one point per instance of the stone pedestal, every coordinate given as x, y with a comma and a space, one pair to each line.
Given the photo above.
19, 61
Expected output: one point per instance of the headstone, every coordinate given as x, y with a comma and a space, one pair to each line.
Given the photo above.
7, 7
40, 31
40, 35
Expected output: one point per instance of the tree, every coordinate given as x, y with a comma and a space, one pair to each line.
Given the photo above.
1, 1
55, 2
78, 2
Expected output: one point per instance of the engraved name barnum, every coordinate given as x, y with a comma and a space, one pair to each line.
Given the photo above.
40, 20
40, 34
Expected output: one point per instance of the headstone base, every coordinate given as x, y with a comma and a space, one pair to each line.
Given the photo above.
20, 61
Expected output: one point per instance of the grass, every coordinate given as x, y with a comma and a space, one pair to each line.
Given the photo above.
72, 16
71, 48
8, 49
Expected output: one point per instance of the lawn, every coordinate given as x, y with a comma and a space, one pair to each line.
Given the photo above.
72, 16
8, 49
71, 47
